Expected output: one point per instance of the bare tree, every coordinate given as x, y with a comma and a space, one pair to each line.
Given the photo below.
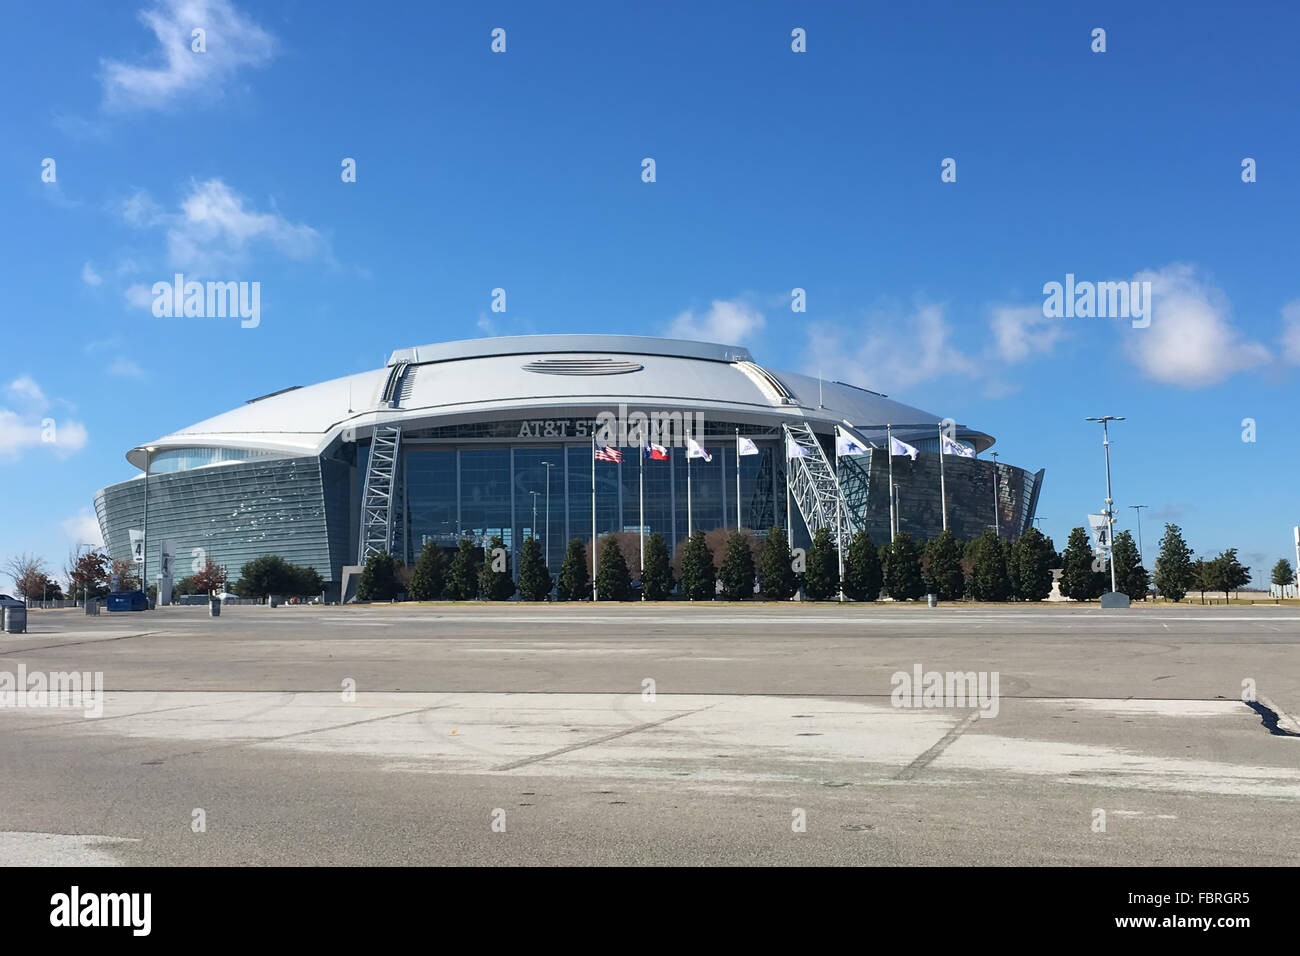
28, 574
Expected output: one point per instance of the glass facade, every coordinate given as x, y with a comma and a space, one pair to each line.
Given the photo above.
485, 479
294, 507
476, 491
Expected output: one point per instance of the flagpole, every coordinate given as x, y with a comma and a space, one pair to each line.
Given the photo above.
737, 479
690, 527
640, 478
890, 442
943, 492
594, 597
839, 523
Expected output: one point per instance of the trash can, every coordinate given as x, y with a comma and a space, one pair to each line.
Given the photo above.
272, 601
92, 607
932, 600
15, 620
214, 607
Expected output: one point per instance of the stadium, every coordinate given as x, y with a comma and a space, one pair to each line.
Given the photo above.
486, 437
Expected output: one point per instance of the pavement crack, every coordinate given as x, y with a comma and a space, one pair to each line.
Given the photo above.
598, 740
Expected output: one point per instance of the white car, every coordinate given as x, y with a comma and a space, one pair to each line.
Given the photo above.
7, 601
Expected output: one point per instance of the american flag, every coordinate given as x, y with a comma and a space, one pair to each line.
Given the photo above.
605, 453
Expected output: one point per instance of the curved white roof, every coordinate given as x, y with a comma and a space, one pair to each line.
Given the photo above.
569, 374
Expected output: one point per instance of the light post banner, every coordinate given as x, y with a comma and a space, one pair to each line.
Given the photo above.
137, 546
1100, 528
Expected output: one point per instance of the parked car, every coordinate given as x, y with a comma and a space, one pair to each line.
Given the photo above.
7, 601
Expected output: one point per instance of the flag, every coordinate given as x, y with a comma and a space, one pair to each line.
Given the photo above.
605, 453
1099, 525
897, 447
951, 447
695, 450
746, 447
794, 450
846, 445
655, 452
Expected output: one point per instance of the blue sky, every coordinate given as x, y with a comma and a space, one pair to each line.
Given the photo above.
775, 170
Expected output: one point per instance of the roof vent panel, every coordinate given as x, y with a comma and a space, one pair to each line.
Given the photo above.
584, 365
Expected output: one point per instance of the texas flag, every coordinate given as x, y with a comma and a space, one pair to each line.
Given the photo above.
655, 452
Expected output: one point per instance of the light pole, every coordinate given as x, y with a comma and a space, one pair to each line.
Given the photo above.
532, 529
1142, 554
1110, 509
1040, 519
144, 537
997, 531
546, 541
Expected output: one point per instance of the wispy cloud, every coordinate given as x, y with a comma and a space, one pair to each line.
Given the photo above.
728, 322
1290, 340
176, 71
216, 230
82, 528
90, 276
125, 368
25, 423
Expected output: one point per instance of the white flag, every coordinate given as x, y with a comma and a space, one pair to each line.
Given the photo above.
897, 447
846, 445
137, 545
794, 450
695, 450
951, 447
746, 447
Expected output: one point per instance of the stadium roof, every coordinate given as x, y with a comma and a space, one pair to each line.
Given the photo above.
536, 375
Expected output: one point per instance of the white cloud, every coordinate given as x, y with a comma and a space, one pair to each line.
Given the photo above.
26, 425
125, 368
726, 322
896, 349
485, 324
1291, 332
216, 232
232, 43
82, 528
1020, 331
1191, 340
24, 391
139, 296
89, 275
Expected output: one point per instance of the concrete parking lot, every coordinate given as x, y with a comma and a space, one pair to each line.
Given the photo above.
663, 734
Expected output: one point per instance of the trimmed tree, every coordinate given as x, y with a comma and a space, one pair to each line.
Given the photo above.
903, 580
698, 577
574, 584
1012, 569
821, 580
378, 579
1078, 579
496, 582
1035, 556
1226, 573
534, 576
1174, 573
1130, 577
776, 577
613, 580
737, 574
1283, 574
941, 567
429, 574
657, 575
863, 577
1201, 577
988, 580
462, 575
